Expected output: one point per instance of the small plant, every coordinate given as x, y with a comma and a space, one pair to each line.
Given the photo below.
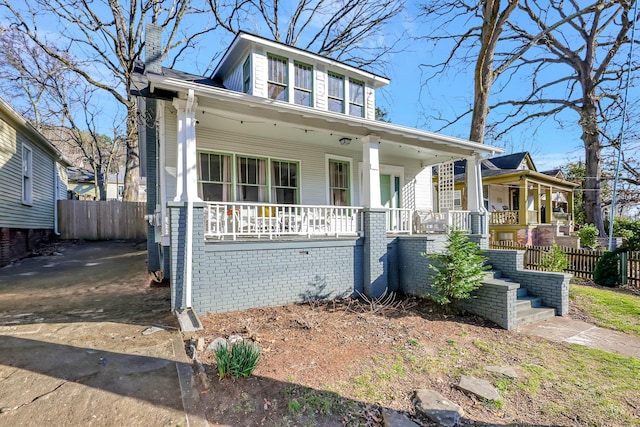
459, 270
607, 271
240, 361
554, 259
588, 235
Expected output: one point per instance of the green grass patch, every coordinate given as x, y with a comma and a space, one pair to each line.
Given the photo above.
609, 309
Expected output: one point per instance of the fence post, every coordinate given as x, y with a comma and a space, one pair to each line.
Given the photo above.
624, 267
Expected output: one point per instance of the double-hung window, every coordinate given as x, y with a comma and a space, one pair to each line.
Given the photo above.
336, 93
339, 179
303, 84
252, 179
27, 175
246, 75
356, 98
214, 173
284, 182
277, 78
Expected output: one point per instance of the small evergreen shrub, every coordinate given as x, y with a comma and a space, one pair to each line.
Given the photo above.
588, 235
239, 361
458, 271
607, 272
554, 259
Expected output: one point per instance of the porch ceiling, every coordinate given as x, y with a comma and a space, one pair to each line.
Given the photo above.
244, 113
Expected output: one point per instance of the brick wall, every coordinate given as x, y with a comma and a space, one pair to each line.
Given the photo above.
16, 243
376, 266
553, 288
414, 274
245, 274
495, 302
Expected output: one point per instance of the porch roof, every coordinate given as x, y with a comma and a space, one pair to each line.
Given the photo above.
428, 146
504, 175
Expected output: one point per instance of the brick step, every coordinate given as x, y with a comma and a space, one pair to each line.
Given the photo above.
530, 315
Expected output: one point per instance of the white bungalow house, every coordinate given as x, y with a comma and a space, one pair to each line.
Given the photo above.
270, 181
33, 177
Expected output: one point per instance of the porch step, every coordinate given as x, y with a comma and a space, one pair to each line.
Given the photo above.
528, 302
531, 315
530, 309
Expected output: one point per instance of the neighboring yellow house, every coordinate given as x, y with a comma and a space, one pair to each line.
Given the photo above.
524, 205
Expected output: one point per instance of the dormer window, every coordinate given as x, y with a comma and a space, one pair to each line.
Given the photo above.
336, 93
277, 78
303, 84
356, 98
246, 75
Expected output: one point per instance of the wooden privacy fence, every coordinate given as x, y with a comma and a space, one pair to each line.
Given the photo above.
95, 220
580, 262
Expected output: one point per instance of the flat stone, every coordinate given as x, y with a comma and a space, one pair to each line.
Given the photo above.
200, 344
507, 371
396, 419
438, 409
218, 342
480, 388
234, 339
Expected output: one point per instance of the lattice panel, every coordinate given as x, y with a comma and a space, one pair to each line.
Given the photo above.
445, 187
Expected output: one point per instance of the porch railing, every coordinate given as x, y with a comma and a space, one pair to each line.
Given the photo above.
403, 220
399, 220
239, 219
504, 218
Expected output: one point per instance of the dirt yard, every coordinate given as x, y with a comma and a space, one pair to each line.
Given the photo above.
342, 363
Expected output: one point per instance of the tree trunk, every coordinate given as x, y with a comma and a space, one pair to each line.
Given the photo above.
591, 140
132, 165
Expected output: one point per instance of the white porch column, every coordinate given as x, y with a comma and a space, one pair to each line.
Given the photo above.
475, 196
371, 172
186, 170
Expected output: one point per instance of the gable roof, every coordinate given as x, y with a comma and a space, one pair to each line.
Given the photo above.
26, 125
512, 161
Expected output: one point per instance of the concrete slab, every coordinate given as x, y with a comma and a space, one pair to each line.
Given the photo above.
576, 332
73, 347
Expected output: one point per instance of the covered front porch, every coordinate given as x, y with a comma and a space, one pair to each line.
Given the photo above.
520, 206
260, 202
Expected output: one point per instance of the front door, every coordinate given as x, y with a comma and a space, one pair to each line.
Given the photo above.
390, 196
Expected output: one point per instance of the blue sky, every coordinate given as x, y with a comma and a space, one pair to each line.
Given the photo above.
410, 103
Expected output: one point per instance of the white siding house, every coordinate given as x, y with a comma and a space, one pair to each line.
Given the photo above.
32, 179
274, 178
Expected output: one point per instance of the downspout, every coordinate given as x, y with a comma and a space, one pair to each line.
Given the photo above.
189, 237
55, 198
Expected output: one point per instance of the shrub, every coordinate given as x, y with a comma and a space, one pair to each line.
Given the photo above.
629, 230
458, 271
607, 272
554, 259
240, 361
588, 235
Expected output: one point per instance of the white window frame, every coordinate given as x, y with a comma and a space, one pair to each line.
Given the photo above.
297, 88
27, 175
285, 83
234, 172
344, 94
457, 200
328, 178
362, 106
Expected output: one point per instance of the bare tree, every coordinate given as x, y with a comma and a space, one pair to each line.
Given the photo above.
59, 103
347, 30
569, 54
107, 35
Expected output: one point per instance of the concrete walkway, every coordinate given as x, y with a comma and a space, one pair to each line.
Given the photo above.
577, 332
77, 347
